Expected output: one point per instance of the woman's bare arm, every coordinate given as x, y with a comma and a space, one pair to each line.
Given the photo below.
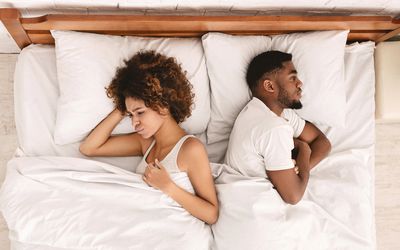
100, 142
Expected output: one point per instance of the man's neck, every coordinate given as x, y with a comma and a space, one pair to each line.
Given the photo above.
272, 105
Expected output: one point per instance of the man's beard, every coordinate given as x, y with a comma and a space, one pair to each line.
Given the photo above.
283, 98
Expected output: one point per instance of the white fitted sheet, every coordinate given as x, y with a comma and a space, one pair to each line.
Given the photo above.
351, 159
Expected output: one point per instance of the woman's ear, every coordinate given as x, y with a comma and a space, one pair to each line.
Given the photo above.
163, 111
268, 86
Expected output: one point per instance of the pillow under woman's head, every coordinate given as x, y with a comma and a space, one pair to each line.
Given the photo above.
87, 63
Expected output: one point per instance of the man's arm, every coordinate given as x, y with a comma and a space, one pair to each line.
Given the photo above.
290, 186
319, 144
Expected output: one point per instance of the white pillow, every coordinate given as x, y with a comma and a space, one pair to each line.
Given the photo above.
227, 59
86, 63
318, 57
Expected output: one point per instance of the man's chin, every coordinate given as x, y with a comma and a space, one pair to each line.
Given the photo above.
296, 105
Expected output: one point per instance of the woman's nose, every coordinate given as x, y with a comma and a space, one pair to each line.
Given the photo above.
135, 121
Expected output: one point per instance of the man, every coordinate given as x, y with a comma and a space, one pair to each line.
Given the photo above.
267, 130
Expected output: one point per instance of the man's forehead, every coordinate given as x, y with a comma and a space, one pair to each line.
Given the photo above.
288, 67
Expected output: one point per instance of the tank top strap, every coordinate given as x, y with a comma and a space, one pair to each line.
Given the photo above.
149, 148
179, 144
172, 158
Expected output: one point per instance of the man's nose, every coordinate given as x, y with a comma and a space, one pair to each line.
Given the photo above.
299, 83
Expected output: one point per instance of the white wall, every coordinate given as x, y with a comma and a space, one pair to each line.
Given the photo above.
387, 61
196, 7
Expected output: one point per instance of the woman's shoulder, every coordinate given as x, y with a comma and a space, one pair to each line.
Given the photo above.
192, 148
192, 143
192, 155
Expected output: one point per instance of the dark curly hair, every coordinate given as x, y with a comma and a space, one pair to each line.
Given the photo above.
156, 79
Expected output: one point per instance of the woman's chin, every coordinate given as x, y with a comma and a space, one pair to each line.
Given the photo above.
145, 136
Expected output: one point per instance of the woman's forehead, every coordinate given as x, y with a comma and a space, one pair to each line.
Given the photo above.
133, 103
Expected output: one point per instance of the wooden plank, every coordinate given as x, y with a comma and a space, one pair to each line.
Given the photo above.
36, 30
207, 23
11, 20
46, 38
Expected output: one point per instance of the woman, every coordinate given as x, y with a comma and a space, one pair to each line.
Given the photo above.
155, 93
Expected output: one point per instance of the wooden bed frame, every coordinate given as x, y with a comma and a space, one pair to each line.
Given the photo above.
37, 30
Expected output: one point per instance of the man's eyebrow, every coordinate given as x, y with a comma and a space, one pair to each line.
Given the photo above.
293, 71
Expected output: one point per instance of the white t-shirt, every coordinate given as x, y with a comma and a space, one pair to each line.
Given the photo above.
260, 140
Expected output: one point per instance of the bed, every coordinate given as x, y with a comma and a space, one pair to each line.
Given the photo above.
55, 198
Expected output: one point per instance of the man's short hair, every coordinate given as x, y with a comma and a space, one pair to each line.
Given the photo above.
263, 63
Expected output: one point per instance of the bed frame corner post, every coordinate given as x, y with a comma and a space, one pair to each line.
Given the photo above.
391, 34
11, 18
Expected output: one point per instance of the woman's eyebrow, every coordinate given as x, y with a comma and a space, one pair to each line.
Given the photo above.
136, 109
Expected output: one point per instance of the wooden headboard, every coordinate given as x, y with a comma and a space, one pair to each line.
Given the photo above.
37, 30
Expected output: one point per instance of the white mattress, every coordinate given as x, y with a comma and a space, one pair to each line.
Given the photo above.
342, 185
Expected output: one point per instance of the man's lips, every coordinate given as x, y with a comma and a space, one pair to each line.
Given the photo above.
299, 93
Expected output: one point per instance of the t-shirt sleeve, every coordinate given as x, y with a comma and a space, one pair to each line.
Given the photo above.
276, 147
295, 121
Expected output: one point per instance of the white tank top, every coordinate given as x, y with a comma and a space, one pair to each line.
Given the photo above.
170, 162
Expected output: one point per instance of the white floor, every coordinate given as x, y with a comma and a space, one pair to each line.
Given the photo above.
387, 158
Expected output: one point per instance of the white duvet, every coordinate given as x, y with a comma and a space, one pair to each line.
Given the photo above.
335, 212
71, 203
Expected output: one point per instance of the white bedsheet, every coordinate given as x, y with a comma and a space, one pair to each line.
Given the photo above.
337, 211
72, 203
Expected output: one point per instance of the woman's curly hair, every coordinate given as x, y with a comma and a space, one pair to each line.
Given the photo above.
156, 79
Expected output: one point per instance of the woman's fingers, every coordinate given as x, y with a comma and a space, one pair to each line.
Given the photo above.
158, 164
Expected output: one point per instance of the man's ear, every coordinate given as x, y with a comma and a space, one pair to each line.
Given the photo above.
268, 86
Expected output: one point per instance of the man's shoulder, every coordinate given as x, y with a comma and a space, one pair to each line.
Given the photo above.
251, 119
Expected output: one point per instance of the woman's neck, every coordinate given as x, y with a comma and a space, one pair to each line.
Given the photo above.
169, 133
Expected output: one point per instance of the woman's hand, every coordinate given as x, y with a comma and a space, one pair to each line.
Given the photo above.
118, 113
157, 176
